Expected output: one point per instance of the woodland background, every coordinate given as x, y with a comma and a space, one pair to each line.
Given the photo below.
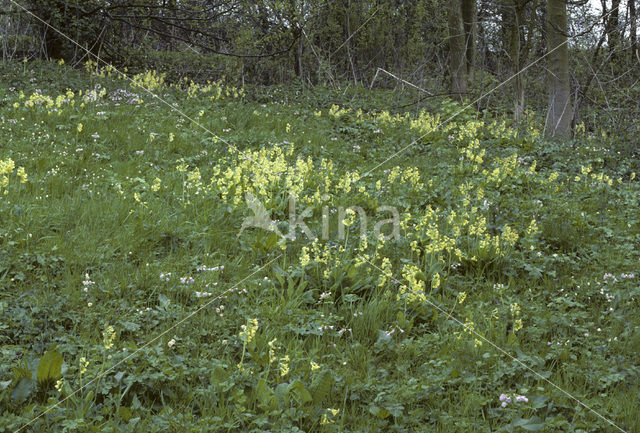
457, 48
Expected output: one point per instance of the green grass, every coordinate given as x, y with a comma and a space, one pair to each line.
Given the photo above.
139, 192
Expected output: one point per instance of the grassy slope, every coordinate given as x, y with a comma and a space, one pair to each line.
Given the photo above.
352, 351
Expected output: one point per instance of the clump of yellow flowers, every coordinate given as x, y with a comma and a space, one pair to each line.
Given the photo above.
515, 313
413, 290
148, 80
248, 332
108, 337
7, 167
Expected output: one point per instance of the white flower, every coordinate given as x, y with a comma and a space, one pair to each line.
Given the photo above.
171, 342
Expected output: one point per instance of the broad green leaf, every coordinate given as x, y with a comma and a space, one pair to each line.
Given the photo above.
50, 366
22, 390
301, 391
379, 412
218, 375
321, 386
282, 394
529, 424
265, 394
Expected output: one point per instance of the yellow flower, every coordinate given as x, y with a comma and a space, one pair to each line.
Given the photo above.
22, 175
515, 309
79, 127
329, 416
7, 166
284, 365
182, 167
435, 281
108, 337
171, 136
386, 272
314, 366
304, 257
272, 355
156, 184
249, 331
517, 325
83, 365
461, 297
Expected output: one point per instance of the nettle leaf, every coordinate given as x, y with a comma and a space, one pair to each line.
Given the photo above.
50, 366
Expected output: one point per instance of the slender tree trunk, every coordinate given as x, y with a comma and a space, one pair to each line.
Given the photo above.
613, 27
560, 112
457, 50
633, 31
469, 19
511, 19
299, 58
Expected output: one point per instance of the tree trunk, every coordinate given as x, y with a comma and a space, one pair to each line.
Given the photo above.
511, 19
297, 52
633, 31
613, 27
469, 19
560, 112
457, 50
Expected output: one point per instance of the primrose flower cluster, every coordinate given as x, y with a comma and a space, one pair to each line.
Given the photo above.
267, 173
7, 168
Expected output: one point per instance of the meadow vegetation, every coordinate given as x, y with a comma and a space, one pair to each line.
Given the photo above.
119, 219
